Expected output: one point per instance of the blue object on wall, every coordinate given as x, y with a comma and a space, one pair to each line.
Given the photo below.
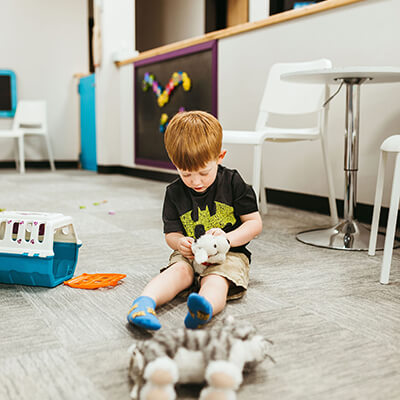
88, 156
300, 4
8, 93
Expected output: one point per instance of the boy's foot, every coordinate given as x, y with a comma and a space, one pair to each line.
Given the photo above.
200, 311
142, 313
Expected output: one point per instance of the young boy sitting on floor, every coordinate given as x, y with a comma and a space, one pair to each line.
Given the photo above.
207, 197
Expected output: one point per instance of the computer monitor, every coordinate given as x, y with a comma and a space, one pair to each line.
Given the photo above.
8, 93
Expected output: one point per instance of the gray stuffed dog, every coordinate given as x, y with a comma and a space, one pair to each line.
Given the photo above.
216, 357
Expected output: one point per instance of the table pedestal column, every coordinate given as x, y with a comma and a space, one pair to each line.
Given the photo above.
348, 234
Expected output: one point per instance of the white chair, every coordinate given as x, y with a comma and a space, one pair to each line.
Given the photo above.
30, 119
390, 145
288, 99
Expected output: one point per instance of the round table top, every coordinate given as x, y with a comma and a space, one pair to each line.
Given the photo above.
336, 75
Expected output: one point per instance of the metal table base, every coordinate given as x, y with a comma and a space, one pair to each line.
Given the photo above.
346, 235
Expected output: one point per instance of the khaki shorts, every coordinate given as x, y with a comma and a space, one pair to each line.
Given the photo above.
235, 269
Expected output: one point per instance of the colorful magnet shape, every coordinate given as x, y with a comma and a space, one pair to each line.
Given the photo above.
163, 95
163, 122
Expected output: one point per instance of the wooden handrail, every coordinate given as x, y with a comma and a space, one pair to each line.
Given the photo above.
237, 29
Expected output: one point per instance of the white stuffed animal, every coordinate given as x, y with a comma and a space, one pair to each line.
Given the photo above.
209, 249
217, 356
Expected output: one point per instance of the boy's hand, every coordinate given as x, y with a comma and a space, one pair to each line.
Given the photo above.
217, 232
185, 247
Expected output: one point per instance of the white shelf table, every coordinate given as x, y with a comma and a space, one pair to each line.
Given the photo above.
348, 234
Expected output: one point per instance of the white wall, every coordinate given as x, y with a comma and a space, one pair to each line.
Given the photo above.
258, 9
45, 42
365, 33
114, 87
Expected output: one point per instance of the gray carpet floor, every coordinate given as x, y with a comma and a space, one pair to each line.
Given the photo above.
336, 330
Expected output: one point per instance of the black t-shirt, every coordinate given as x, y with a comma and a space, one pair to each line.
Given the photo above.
220, 206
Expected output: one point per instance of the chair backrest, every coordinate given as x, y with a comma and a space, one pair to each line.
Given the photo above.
281, 97
31, 115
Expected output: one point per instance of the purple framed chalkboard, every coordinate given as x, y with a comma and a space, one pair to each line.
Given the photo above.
199, 62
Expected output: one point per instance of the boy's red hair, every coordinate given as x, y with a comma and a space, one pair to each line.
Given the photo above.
192, 139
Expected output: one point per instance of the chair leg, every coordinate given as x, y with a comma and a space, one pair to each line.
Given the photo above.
257, 159
16, 156
331, 187
50, 153
377, 203
21, 154
391, 225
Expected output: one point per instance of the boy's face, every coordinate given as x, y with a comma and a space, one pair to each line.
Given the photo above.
202, 179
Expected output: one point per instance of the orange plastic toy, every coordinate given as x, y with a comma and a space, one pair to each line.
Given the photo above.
94, 281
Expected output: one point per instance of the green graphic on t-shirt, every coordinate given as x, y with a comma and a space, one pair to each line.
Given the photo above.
223, 216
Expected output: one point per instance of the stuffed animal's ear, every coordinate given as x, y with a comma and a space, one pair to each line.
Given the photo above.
195, 247
201, 256
132, 348
222, 244
136, 362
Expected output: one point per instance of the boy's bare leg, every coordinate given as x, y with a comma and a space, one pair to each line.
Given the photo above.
161, 289
215, 289
165, 286
210, 300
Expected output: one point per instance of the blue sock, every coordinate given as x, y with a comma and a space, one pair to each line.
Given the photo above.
142, 313
200, 311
